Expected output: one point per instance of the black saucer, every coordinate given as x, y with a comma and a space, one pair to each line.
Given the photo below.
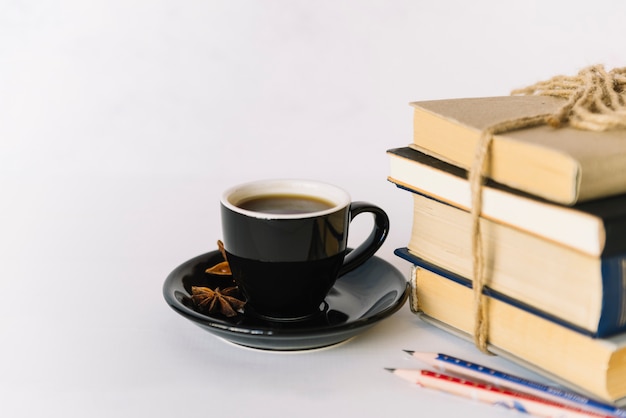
358, 300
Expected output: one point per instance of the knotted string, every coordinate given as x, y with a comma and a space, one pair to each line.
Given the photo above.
595, 101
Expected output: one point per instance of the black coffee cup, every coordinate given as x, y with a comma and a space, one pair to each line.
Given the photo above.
286, 243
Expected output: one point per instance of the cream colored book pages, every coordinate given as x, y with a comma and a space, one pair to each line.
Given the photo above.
561, 281
564, 165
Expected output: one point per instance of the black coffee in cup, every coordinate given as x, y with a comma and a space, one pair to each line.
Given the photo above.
286, 243
285, 204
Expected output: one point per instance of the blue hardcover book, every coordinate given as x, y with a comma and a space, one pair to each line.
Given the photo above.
612, 316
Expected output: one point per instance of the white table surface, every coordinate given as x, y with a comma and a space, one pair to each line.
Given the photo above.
122, 121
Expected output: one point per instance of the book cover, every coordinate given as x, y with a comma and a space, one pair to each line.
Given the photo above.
565, 165
596, 227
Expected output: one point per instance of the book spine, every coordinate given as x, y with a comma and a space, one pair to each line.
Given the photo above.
613, 313
614, 229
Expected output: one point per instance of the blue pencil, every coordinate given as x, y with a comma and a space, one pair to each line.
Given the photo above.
495, 377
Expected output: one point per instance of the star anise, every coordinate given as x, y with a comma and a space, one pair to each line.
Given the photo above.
214, 301
223, 268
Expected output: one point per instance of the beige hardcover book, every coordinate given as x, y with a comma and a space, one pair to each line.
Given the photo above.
564, 165
592, 366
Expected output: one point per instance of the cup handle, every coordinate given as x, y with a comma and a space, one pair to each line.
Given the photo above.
376, 238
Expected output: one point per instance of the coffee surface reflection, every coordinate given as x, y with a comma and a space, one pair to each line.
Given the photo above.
285, 204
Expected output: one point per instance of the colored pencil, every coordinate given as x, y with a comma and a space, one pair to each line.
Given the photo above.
518, 401
494, 377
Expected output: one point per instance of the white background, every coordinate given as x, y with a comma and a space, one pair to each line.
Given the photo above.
122, 121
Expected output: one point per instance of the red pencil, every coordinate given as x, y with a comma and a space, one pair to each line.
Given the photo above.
493, 395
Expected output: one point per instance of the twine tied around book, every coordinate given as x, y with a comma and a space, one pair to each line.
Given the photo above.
595, 101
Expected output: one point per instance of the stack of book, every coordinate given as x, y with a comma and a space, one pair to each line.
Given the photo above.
553, 228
